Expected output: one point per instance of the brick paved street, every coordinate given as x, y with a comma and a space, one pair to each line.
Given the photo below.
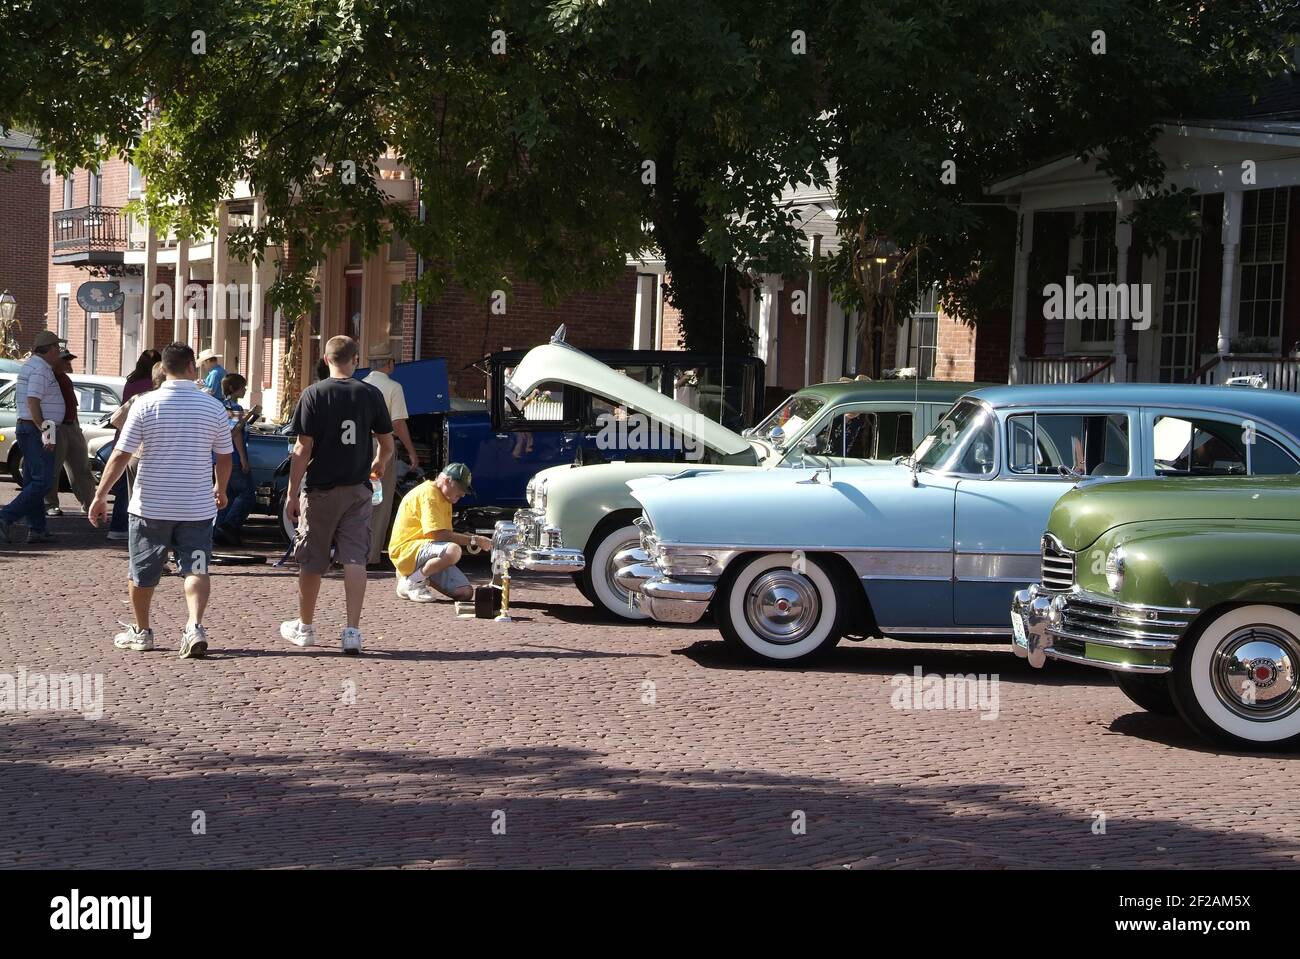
544, 719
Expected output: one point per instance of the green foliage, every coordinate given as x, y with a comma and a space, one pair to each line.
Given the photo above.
533, 163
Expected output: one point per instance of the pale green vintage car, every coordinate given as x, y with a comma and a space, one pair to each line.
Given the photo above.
580, 518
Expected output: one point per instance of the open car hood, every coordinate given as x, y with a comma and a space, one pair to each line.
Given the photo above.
561, 363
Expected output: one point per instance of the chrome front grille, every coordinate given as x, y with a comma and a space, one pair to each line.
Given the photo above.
1058, 565
1089, 618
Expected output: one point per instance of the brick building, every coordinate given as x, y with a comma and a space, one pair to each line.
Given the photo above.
24, 233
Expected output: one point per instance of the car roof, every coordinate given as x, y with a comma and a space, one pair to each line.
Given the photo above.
901, 391
1276, 406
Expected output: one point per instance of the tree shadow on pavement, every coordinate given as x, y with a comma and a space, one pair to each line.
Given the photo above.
93, 794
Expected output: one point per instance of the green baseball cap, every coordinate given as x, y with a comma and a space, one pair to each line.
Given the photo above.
460, 473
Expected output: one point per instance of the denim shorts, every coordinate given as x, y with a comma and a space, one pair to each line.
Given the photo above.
448, 580
150, 540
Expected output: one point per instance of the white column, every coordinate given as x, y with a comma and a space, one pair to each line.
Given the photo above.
150, 281
258, 275
219, 306
833, 348
1123, 240
180, 318
769, 323
643, 324
1231, 239
814, 256
1020, 292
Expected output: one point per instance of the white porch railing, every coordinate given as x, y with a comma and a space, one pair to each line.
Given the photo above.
1075, 368
1279, 372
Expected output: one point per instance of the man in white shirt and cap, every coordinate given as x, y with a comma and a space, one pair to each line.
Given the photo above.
381, 365
40, 409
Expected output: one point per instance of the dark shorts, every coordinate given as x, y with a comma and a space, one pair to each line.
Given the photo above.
338, 517
150, 540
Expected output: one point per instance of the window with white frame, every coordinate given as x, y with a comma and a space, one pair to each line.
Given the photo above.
1178, 306
1097, 266
69, 190
922, 334
1263, 265
62, 316
96, 186
134, 181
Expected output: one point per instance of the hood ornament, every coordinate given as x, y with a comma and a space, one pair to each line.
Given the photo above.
560, 333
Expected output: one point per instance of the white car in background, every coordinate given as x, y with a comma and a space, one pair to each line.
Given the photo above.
97, 398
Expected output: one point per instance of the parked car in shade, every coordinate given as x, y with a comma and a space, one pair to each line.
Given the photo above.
581, 518
1191, 602
97, 398
936, 546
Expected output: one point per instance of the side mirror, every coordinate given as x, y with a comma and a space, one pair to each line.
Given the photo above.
777, 436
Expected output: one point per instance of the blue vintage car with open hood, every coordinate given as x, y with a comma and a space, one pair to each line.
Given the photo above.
934, 545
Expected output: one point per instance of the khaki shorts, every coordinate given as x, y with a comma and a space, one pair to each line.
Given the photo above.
338, 517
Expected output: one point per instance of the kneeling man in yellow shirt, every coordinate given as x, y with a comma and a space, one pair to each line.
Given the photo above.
424, 548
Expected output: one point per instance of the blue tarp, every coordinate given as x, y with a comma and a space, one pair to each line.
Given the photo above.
425, 385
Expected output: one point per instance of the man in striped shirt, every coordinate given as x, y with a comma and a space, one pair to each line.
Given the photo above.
40, 410
175, 497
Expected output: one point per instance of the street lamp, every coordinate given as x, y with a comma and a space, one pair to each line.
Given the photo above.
8, 308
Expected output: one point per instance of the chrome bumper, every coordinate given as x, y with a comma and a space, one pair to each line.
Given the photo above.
1082, 627
520, 548
663, 599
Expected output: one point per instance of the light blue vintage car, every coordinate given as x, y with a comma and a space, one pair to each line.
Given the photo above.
935, 545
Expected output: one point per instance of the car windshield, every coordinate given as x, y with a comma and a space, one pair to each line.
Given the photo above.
961, 442
791, 415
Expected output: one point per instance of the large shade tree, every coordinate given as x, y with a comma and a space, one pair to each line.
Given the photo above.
550, 141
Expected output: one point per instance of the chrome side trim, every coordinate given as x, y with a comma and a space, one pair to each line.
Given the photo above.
999, 567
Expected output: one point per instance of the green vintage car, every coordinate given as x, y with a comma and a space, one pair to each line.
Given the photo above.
1189, 593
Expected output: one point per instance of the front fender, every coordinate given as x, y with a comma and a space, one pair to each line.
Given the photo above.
1199, 564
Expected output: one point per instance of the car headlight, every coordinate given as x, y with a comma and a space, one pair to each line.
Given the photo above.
1115, 569
541, 495
529, 490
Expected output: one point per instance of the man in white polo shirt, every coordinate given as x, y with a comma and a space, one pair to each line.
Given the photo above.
381, 364
40, 410
178, 428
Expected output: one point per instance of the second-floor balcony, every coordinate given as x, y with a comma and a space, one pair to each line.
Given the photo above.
90, 235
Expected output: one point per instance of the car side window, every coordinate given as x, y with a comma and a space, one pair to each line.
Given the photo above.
543, 406
9, 399
1267, 458
1199, 447
105, 400
1093, 444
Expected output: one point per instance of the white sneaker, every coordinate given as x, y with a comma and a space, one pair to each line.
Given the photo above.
298, 633
351, 637
134, 638
416, 593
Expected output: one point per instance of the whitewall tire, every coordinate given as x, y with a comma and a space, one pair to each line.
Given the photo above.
778, 614
1238, 682
598, 576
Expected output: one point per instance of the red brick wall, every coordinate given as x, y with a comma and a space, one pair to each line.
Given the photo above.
113, 192
671, 338
463, 330
24, 244
955, 358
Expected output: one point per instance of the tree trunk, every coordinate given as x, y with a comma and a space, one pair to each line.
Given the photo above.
695, 280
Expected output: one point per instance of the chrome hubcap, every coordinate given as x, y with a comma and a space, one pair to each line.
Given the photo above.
611, 568
782, 606
1255, 672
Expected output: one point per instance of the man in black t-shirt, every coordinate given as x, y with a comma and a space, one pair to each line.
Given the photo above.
330, 475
